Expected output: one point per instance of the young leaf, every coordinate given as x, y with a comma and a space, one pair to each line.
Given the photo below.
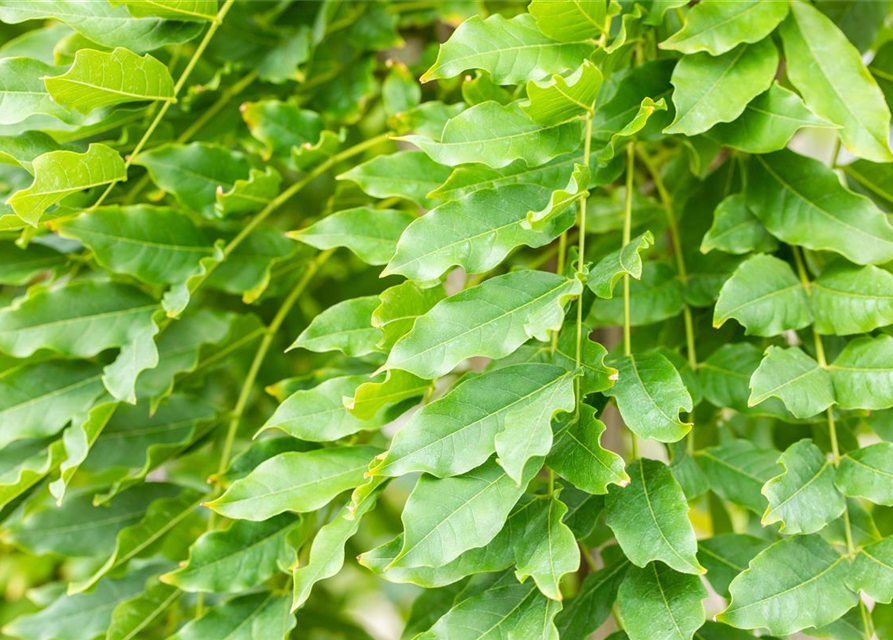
492, 319
829, 73
649, 518
716, 27
58, 174
99, 79
399, 308
656, 603
868, 473
604, 275
861, 374
371, 234
570, 20
795, 378
578, 456
796, 583
803, 498
563, 99
370, 397
710, 90
650, 394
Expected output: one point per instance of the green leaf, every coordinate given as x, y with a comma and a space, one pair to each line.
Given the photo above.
629, 130
796, 583
710, 90
100, 79
406, 174
737, 471
657, 296
22, 91
294, 481
802, 202
370, 397
803, 498
868, 473
656, 603
594, 374
286, 131
371, 234
873, 571
24, 463
400, 91
726, 555
563, 99
61, 173
604, 275
829, 73
765, 296
578, 456
185, 10
497, 135
492, 319
512, 51
847, 299
650, 394
158, 245
861, 374
481, 88
399, 308
319, 414
769, 121
259, 616
248, 196
133, 616
21, 150
235, 559
345, 327
736, 230
560, 200
102, 23
476, 232
586, 612
459, 432
716, 27
570, 20
795, 378
872, 178
444, 518
141, 539
548, 549
649, 518
78, 440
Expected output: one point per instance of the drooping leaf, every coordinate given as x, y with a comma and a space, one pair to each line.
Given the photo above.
803, 498
795, 378
716, 26
868, 473
657, 603
710, 90
649, 518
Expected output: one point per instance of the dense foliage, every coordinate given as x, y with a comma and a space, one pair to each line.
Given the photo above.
576, 322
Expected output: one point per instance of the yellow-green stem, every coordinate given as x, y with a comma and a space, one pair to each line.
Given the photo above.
627, 236
581, 250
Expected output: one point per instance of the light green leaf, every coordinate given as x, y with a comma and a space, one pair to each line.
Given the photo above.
238, 558
399, 308
294, 481
100, 79
736, 230
604, 275
868, 473
657, 296
370, 397
795, 378
141, 539
710, 90
563, 99
481, 88
802, 202
476, 232
21, 150
649, 518
862, 374
796, 583
570, 20
61, 173
847, 299
457, 433
656, 603
561, 199
38, 399
345, 327
511, 50
829, 73
715, 26
497, 135
650, 394
319, 414
185, 10
645, 86
765, 296
444, 518
22, 92
248, 195
407, 174
578, 456
873, 571
726, 555
24, 463
102, 23
158, 245
259, 616
78, 440
492, 320
737, 471
372, 234
769, 121
803, 498
548, 549
629, 130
